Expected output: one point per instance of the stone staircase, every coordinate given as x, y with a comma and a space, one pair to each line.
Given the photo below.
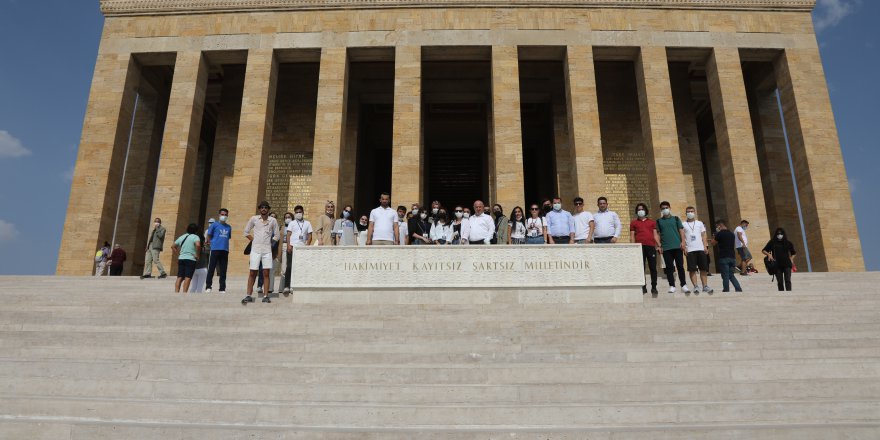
86, 358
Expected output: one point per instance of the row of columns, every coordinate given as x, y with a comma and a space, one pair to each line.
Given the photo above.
819, 169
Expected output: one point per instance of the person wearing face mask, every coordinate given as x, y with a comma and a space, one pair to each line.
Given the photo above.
560, 224
362, 226
467, 213
546, 207
516, 227
780, 250
607, 223
457, 223
672, 241
217, 239
643, 230
276, 260
383, 229
697, 250
285, 256
536, 227
480, 227
435, 212
344, 229
419, 226
742, 248
324, 225
298, 234
724, 242
154, 248
403, 225
502, 231
584, 225
441, 232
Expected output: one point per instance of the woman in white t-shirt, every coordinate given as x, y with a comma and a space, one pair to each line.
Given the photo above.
516, 227
442, 232
344, 230
536, 228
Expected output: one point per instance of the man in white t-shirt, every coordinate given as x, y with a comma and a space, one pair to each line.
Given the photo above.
741, 242
383, 229
481, 227
583, 223
402, 226
298, 234
697, 250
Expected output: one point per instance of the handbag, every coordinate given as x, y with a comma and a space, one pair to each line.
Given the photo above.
247, 249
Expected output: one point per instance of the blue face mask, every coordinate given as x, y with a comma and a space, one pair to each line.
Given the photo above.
346, 214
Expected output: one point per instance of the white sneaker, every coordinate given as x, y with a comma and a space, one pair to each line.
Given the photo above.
259, 290
708, 289
671, 289
222, 292
287, 290
208, 290
685, 289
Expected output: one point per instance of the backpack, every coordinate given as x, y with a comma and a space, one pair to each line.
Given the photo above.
772, 267
99, 256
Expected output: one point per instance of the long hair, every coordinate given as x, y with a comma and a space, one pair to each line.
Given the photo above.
513, 216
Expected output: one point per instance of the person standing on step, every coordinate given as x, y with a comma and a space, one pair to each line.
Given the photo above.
383, 229
780, 250
742, 247
419, 227
643, 230
434, 215
536, 226
607, 223
188, 247
217, 240
672, 241
117, 260
260, 230
101, 259
725, 243
344, 230
481, 227
324, 225
501, 229
403, 225
441, 232
560, 224
697, 250
584, 225
297, 234
516, 227
276, 261
457, 225
154, 249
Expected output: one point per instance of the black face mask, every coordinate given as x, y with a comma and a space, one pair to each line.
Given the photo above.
547, 209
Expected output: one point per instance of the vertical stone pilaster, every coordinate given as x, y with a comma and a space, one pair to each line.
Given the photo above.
180, 146
252, 150
826, 202
97, 177
689, 142
329, 128
565, 165
223, 161
659, 129
587, 161
507, 128
738, 159
407, 164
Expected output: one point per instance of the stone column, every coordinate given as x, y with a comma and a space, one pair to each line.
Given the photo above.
738, 159
585, 136
407, 170
252, 151
659, 129
826, 203
565, 165
329, 128
97, 178
507, 128
689, 142
180, 146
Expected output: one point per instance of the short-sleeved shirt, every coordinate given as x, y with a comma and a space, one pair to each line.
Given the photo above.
345, 232
383, 220
693, 236
725, 241
644, 231
560, 223
745, 240
187, 245
299, 232
535, 227
582, 225
219, 234
403, 229
264, 233
669, 227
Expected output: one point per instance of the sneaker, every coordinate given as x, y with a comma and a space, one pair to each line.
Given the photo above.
143, 277
247, 299
259, 290
208, 290
164, 275
708, 290
287, 291
222, 292
266, 299
685, 289
654, 291
644, 290
671, 289
739, 291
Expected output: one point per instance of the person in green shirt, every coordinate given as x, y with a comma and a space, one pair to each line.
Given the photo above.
188, 247
672, 242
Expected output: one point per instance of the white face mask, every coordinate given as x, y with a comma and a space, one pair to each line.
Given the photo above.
346, 214
223, 218
434, 211
415, 211
298, 216
557, 206
287, 220
363, 223
423, 216
691, 216
779, 236
666, 212
459, 214
642, 213
466, 215
157, 225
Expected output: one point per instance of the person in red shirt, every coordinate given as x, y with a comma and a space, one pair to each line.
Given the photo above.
643, 230
117, 260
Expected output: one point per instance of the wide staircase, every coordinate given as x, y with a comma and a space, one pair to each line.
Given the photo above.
86, 358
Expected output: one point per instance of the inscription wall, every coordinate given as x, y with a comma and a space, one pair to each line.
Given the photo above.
289, 181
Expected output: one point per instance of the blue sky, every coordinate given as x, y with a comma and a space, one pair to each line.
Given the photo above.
47, 54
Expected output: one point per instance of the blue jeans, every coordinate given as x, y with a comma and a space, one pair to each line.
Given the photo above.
535, 240
727, 265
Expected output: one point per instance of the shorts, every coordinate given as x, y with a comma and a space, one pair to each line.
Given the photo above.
257, 258
698, 260
383, 243
744, 253
186, 268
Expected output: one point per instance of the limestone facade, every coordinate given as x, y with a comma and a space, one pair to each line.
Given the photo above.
644, 101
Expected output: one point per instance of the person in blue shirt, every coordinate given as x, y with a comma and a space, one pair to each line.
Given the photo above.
217, 238
560, 224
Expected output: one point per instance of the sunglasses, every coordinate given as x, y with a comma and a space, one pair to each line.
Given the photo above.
578, 203
535, 209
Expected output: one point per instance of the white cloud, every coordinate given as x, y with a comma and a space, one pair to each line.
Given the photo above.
10, 146
7, 231
830, 13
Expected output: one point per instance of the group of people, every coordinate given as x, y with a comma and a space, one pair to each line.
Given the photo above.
271, 244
